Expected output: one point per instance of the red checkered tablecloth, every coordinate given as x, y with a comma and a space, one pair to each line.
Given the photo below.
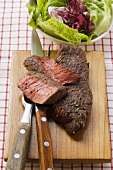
15, 35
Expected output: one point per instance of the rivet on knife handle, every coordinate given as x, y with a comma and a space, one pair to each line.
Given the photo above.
18, 156
44, 141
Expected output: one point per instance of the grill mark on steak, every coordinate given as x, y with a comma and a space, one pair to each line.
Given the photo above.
52, 69
41, 89
73, 110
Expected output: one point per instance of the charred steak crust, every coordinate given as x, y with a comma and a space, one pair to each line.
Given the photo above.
31, 64
73, 110
52, 69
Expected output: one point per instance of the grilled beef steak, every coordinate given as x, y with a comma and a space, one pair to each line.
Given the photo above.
73, 110
51, 69
41, 89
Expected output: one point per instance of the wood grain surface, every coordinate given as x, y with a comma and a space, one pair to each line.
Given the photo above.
90, 145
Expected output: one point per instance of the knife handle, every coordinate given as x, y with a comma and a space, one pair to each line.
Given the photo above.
18, 156
44, 142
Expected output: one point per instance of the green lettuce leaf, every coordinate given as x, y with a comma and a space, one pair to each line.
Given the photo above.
33, 15
59, 30
100, 14
57, 3
44, 4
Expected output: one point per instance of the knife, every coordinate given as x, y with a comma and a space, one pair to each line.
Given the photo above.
44, 137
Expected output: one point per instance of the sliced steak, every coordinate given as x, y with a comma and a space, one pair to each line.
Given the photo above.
41, 89
51, 69
73, 110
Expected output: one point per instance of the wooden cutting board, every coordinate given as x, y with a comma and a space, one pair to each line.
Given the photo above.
91, 145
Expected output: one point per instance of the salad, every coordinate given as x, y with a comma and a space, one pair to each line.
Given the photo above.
75, 21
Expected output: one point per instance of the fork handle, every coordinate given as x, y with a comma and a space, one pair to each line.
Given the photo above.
44, 141
19, 152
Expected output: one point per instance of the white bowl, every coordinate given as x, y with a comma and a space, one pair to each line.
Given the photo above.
92, 41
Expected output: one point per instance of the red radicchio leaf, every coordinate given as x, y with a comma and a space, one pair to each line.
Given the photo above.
76, 16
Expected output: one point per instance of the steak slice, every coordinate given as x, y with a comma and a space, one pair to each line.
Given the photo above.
41, 89
73, 110
53, 70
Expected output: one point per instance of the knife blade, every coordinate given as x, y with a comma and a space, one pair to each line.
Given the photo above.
32, 2
36, 47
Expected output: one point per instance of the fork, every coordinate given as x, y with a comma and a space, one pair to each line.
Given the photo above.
19, 152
